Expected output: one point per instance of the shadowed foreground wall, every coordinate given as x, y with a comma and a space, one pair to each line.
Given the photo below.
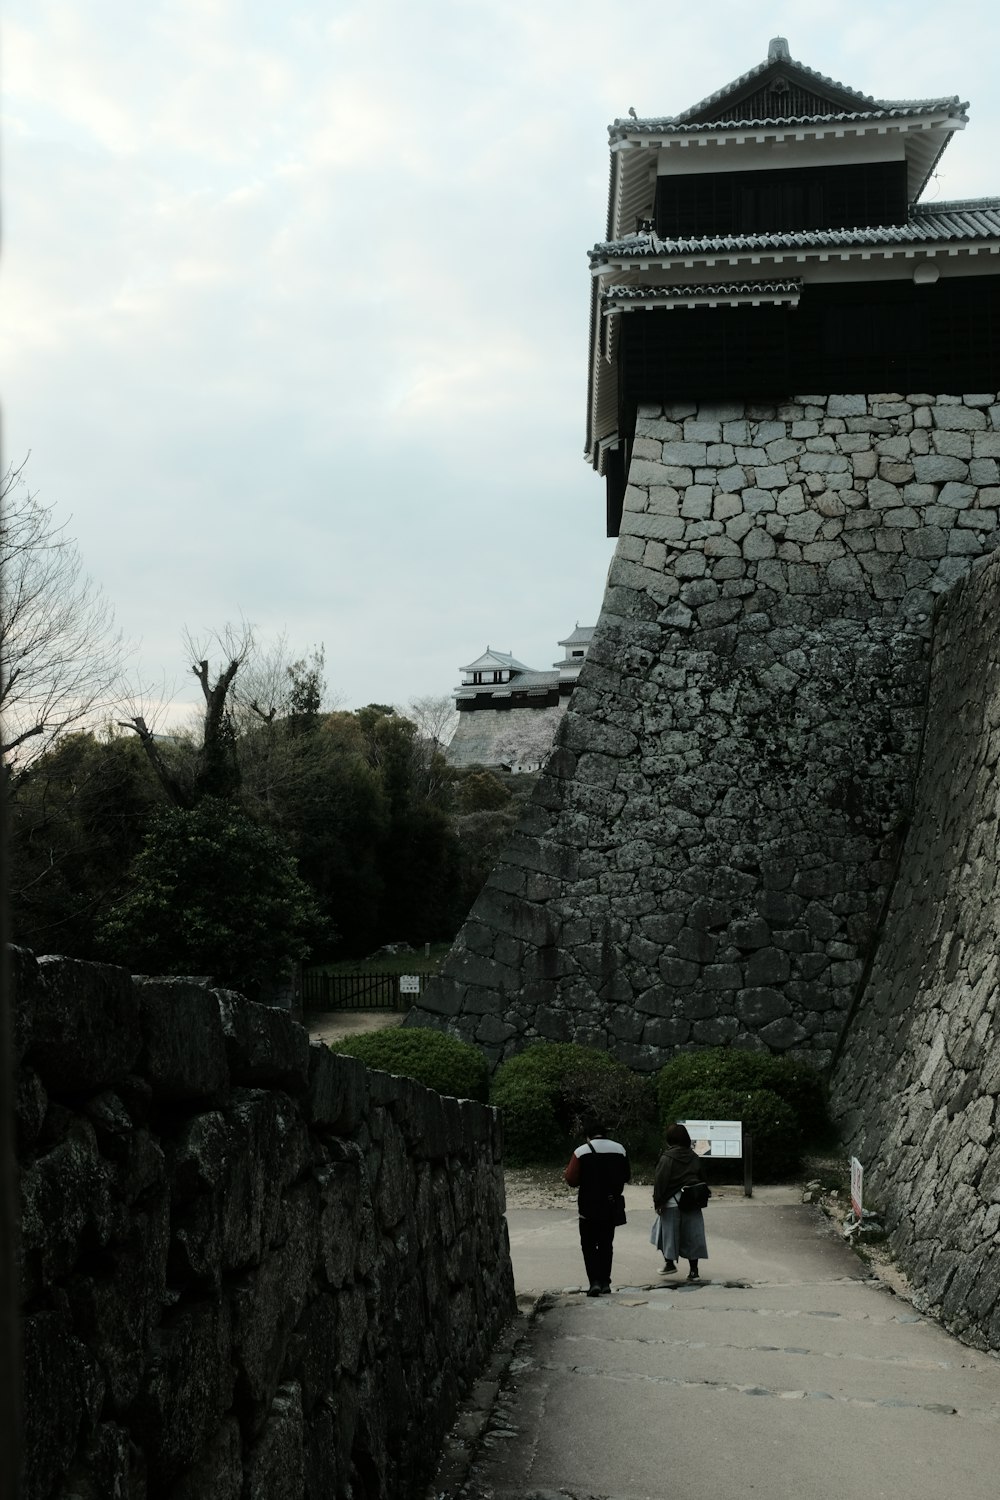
252, 1269
916, 1086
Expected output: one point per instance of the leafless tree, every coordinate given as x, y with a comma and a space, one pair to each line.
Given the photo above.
275, 701
435, 718
61, 656
215, 770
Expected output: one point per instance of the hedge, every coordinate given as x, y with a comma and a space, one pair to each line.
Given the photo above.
440, 1062
548, 1092
733, 1068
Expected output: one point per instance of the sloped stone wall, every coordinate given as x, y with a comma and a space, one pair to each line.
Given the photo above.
917, 1084
251, 1269
711, 844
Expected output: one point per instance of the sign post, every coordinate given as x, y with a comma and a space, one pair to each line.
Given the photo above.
724, 1139
857, 1186
409, 984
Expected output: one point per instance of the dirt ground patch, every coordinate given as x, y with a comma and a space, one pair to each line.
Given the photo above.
335, 1025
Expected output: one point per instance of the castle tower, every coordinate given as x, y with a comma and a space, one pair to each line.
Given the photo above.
793, 400
509, 712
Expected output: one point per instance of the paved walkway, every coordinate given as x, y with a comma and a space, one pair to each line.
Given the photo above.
786, 1373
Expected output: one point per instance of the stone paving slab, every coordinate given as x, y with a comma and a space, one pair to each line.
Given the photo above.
819, 1384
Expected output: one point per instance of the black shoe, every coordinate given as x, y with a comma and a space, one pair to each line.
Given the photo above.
693, 1273
669, 1267
606, 1289
594, 1290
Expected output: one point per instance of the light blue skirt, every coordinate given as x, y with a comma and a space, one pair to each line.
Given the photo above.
679, 1236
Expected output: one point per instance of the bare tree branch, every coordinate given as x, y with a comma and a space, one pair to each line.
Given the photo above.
60, 654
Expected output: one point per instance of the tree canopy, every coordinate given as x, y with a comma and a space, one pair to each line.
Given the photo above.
279, 824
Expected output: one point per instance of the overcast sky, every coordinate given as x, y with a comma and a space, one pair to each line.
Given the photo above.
295, 297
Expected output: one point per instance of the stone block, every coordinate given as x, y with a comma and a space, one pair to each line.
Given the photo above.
274, 1466
699, 430
188, 1387
664, 500
926, 541
957, 496
755, 501
217, 1473
697, 502
690, 565
263, 1045
882, 495
661, 528
666, 1031
85, 1028
824, 463
682, 453
802, 527
62, 1392
757, 1005
67, 1201
719, 455
903, 518
758, 544
803, 579
955, 444
847, 406
958, 418
986, 444
771, 476
183, 1045
938, 469
645, 471
23, 976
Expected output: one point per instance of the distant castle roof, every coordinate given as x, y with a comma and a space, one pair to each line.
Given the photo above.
581, 636
496, 660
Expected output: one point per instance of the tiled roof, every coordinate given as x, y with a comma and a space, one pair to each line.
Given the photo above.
778, 57
755, 72
492, 658
720, 290
679, 126
968, 219
528, 681
580, 636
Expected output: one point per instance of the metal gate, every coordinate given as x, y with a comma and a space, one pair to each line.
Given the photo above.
361, 991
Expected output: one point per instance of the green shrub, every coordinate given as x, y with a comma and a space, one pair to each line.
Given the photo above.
530, 1127
548, 1092
777, 1141
441, 1062
733, 1068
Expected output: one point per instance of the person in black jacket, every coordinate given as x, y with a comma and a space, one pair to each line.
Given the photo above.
599, 1169
675, 1233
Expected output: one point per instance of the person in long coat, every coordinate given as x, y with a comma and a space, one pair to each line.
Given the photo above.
677, 1234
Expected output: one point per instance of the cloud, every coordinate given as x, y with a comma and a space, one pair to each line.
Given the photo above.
296, 301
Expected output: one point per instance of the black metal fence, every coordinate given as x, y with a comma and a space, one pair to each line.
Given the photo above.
362, 991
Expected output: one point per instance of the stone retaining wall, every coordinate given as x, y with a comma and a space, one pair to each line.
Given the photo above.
916, 1086
252, 1269
710, 846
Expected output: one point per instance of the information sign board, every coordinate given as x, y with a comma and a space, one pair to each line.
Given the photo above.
716, 1137
857, 1184
409, 984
